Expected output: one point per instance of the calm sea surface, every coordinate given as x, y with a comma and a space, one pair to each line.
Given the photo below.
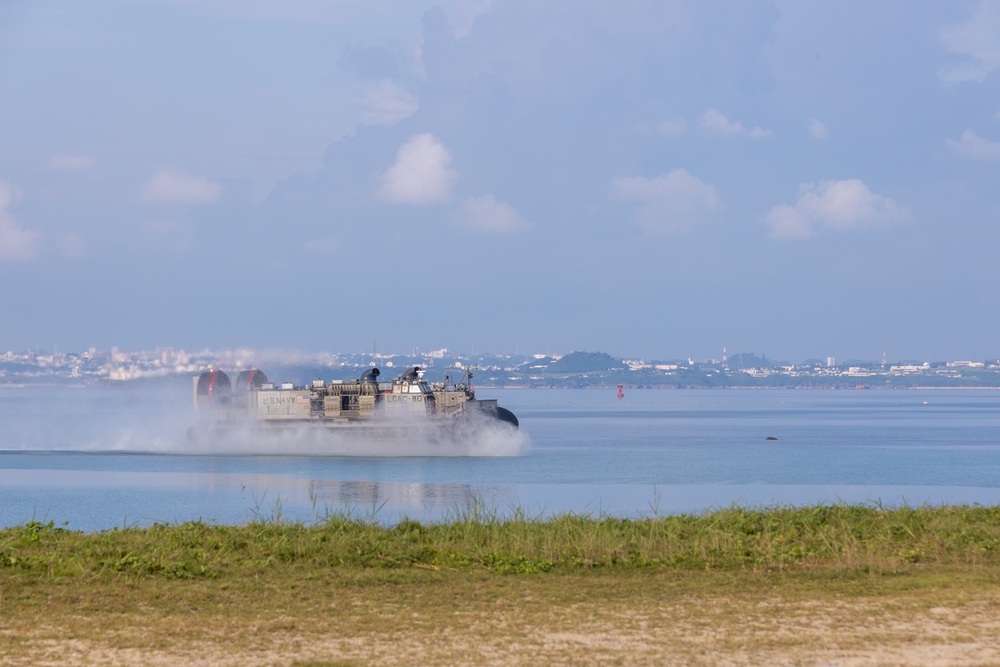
97, 458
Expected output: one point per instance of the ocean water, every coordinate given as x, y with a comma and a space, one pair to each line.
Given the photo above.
98, 458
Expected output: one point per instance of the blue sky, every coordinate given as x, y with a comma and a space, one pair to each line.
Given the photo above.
657, 179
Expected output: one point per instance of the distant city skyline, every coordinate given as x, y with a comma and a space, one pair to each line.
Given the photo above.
574, 369
653, 178
735, 360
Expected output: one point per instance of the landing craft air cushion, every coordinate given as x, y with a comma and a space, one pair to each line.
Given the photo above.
366, 403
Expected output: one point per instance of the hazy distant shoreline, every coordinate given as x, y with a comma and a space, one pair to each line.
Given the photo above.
169, 381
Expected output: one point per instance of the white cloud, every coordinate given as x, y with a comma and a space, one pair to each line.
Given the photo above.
817, 129
172, 186
974, 146
8, 195
787, 222
486, 214
670, 203
17, 244
60, 162
715, 122
385, 103
462, 14
976, 42
421, 174
835, 205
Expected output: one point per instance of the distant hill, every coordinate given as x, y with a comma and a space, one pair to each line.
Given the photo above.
751, 360
586, 362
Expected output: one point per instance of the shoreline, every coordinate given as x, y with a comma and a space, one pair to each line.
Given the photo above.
638, 386
847, 586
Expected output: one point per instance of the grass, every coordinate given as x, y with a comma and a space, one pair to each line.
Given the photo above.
819, 583
831, 538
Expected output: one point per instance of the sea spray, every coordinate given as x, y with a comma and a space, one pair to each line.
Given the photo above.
161, 419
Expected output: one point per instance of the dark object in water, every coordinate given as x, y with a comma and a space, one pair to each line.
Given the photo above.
771, 437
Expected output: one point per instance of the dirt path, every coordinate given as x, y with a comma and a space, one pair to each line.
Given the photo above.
512, 622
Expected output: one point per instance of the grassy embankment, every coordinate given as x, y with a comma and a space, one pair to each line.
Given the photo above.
352, 591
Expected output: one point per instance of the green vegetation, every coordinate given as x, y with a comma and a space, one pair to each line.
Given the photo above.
839, 538
737, 586
586, 362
